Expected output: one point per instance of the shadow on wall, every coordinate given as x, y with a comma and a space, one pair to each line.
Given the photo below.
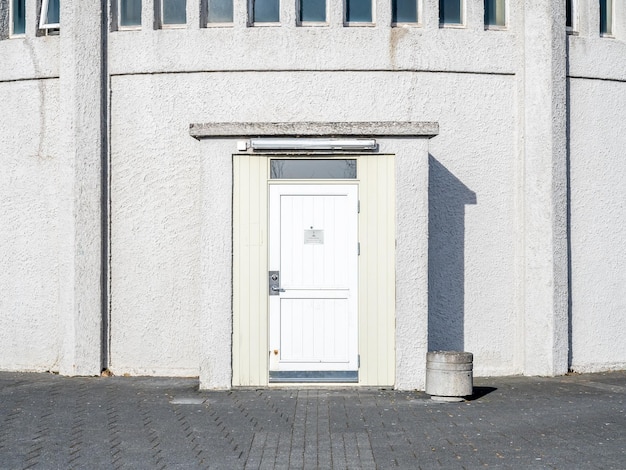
447, 198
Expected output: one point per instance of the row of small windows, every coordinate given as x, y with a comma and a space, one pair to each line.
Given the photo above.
174, 12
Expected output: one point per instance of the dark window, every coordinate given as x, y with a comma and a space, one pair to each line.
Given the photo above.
404, 11
266, 11
18, 16
312, 169
358, 11
451, 11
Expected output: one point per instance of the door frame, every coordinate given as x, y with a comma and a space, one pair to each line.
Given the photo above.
376, 266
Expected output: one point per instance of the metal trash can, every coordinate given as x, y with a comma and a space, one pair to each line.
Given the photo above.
449, 375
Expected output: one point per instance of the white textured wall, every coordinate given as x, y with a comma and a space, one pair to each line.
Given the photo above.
31, 176
496, 172
81, 136
156, 178
597, 95
155, 229
471, 210
543, 179
598, 224
411, 335
51, 202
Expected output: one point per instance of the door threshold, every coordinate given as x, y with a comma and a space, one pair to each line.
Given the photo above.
323, 376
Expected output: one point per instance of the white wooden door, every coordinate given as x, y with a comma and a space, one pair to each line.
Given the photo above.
313, 250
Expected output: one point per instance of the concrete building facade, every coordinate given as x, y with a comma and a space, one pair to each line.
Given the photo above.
136, 212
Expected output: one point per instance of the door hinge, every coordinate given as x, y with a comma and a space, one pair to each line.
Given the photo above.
358, 206
358, 361
358, 249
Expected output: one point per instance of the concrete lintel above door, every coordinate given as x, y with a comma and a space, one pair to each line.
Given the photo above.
315, 129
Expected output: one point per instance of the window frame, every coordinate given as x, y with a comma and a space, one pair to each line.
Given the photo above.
370, 23
417, 23
498, 27
118, 17
463, 14
161, 15
43, 16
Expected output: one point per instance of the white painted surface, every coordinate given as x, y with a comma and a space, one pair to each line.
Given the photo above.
81, 135
214, 341
52, 268
156, 239
168, 159
30, 231
377, 280
598, 228
496, 255
413, 239
250, 353
544, 185
313, 323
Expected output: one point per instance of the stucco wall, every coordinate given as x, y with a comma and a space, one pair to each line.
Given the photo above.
497, 248
472, 222
155, 198
597, 96
598, 231
155, 229
31, 175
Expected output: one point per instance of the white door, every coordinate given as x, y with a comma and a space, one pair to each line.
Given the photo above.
313, 263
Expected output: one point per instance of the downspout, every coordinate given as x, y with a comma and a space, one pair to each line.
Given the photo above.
105, 195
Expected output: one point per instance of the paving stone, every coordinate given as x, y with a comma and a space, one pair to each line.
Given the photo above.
47, 421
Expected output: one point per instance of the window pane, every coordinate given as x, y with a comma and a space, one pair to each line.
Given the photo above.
266, 11
568, 14
220, 11
174, 11
312, 10
130, 12
19, 16
404, 11
606, 16
494, 12
450, 12
312, 169
359, 11
52, 15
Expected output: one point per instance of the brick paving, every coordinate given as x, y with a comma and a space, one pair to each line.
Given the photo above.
571, 422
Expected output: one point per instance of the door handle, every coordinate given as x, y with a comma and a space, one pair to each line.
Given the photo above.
274, 283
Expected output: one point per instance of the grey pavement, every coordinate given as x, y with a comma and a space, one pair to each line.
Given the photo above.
570, 422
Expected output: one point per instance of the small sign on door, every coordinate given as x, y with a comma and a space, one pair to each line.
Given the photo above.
314, 237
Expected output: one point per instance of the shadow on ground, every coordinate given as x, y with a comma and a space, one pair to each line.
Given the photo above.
480, 392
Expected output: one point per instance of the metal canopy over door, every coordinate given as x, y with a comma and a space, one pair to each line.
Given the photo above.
312, 282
